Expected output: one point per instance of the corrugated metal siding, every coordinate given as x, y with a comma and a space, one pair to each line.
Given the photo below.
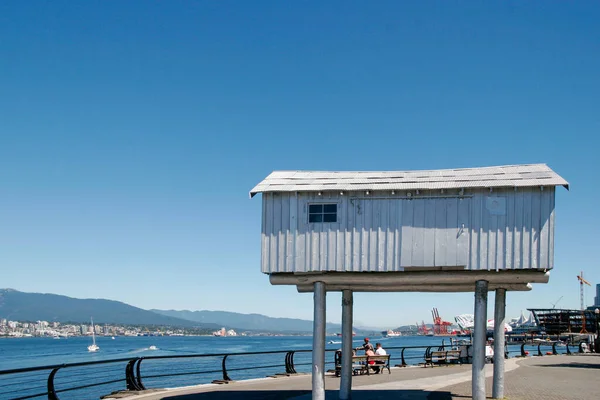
506, 229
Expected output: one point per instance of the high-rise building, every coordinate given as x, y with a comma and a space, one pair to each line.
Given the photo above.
597, 298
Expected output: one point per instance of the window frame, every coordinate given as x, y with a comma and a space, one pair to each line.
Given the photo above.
323, 213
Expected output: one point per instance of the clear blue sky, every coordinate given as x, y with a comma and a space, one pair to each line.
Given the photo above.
131, 133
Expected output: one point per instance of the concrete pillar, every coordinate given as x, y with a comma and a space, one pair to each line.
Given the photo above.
479, 339
499, 344
346, 379
318, 353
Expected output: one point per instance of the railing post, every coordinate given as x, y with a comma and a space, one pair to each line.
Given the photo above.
130, 376
539, 351
51, 391
225, 376
289, 363
568, 350
288, 369
139, 374
292, 362
554, 352
402, 356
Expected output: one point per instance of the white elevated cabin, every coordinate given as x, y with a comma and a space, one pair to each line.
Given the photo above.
494, 218
471, 229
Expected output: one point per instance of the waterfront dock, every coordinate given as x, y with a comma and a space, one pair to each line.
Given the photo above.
562, 377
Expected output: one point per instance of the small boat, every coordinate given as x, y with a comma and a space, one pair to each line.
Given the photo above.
93, 347
334, 342
152, 348
112, 337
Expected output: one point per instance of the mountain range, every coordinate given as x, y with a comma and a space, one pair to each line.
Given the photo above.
22, 306
247, 321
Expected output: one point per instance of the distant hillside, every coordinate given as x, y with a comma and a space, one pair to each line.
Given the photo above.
256, 322
21, 306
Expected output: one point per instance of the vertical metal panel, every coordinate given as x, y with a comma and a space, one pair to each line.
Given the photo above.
356, 235
545, 227
418, 233
551, 232
535, 228
365, 210
462, 234
475, 226
349, 235
373, 218
266, 222
277, 234
526, 251
284, 234
292, 234
492, 242
382, 229
391, 235
323, 240
484, 236
398, 236
509, 229
452, 226
315, 232
406, 244
500, 235
429, 233
340, 238
518, 230
440, 232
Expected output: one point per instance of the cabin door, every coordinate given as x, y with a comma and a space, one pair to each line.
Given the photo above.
435, 232
391, 234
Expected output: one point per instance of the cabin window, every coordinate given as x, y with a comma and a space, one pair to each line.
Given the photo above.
322, 213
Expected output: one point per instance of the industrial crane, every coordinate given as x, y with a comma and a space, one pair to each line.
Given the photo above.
581, 282
556, 302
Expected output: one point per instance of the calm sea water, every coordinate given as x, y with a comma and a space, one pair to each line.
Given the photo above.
29, 352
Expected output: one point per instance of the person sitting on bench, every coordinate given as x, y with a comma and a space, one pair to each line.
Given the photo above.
380, 352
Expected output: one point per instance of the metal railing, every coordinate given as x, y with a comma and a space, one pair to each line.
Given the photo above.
86, 379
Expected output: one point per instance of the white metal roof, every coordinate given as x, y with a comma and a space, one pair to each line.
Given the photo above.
485, 177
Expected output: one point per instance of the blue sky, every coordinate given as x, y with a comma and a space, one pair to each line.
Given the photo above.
131, 133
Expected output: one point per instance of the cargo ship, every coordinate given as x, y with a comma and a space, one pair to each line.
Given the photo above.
390, 333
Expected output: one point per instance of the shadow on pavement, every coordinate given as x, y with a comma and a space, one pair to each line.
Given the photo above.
306, 394
570, 365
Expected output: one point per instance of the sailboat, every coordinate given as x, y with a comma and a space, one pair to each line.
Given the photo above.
93, 347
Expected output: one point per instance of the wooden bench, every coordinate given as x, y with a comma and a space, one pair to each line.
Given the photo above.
442, 357
362, 364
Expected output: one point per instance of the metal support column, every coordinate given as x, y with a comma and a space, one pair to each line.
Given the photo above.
499, 344
479, 339
318, 353
346, 378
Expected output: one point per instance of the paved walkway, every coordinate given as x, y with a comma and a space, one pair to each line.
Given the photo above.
552, 377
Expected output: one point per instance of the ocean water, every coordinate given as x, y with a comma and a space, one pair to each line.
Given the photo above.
30, 352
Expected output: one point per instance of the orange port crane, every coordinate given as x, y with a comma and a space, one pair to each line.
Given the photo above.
440, 327
581, 287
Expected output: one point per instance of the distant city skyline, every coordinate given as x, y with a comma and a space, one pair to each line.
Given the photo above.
132, 133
